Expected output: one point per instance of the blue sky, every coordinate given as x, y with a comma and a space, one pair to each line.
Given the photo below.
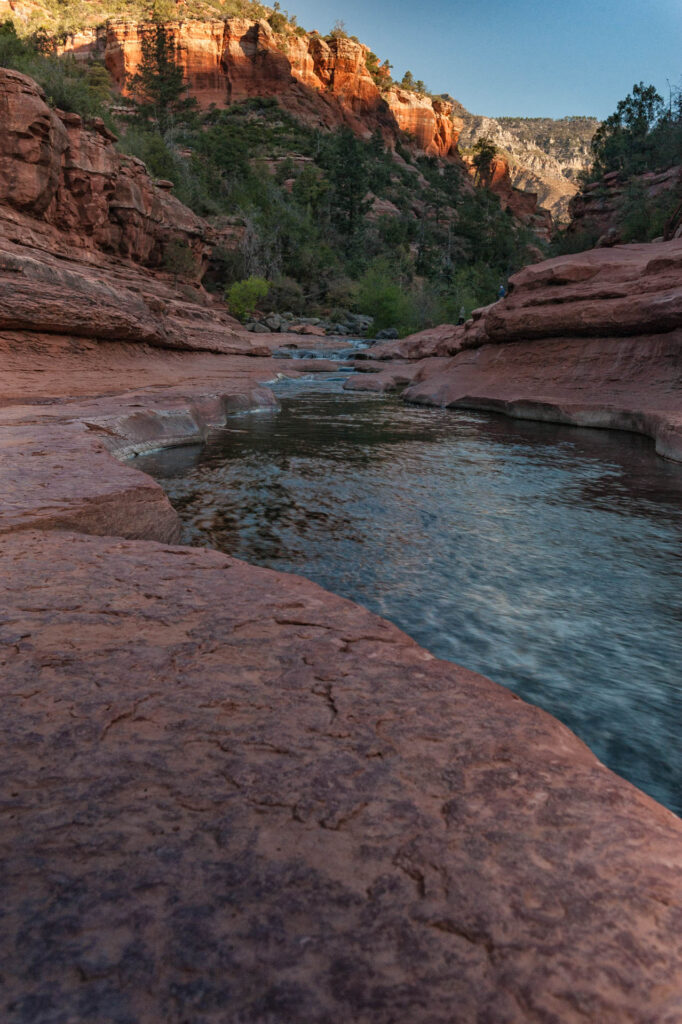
532, 58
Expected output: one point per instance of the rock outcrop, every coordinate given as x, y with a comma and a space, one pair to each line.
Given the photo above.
523, 205
73, 179
84, 235
427, 120
324, 82
593, 339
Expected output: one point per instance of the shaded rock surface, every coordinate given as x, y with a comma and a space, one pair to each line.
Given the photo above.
593, 339
599, 209
226, 792
233, 793
84, 234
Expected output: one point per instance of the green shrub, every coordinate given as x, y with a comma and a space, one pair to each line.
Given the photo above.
383, 297
243, 296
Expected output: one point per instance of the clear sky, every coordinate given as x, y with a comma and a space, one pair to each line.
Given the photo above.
530, 58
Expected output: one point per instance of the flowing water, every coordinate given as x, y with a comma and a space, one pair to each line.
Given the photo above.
545, 557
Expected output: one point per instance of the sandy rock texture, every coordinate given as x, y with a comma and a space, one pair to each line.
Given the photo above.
74, 180
228, 794
593, 339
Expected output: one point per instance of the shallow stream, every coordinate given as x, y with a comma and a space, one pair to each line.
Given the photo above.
545, 557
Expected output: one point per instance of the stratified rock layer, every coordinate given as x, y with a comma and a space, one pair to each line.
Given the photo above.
544, 155
593, 339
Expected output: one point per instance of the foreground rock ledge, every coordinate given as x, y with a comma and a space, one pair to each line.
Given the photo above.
228, 795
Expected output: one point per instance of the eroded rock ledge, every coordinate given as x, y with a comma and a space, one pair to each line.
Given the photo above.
593, 339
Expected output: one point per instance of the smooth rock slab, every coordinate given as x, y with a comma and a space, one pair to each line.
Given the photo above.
228, 795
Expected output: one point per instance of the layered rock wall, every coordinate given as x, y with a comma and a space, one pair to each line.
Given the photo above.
592, 339
325, 82
74, 180
84, 233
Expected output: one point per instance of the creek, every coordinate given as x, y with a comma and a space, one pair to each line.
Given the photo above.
545, 557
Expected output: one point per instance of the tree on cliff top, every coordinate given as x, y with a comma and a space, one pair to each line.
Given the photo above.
625, 141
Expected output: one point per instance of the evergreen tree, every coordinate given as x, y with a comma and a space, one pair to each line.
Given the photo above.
345, 162
484, 154
159, 81
626, 140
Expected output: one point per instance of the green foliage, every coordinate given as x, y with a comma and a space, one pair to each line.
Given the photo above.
277, 21
159, 82
410, 84
643, 217
285, 294
565, 243
483, 155
243, 296
69, 85
382, 296
338, 31
297, 201
345, 160
642, 134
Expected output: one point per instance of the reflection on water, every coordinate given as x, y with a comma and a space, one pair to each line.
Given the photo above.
546, 557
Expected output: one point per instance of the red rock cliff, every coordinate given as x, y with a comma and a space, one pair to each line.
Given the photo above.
84, 232
75, 181
325, 83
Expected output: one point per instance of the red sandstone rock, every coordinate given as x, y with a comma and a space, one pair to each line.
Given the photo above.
444, 340
76, 222
593, 339
428, 121
227, 791
523, 205
73, 179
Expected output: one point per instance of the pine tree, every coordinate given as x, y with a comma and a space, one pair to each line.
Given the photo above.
159, 81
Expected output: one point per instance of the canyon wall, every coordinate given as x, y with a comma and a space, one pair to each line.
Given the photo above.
226, 793
325, 83
544, 155
87, 237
